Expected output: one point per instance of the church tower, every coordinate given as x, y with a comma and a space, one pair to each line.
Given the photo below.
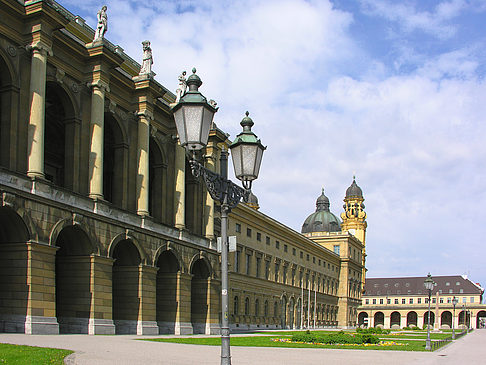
354, 218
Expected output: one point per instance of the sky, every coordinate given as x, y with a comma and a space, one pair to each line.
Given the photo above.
392, 92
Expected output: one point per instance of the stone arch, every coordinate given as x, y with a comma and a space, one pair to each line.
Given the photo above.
125, 281
481, 319
72, 277
68, 222
174, 251
446, 320
283, 310
126, 237
464, 318
291, 321
115, 161
14, 289
201, 256
60, 138
412, 319
200, 286
363, 320
167, 300
379, 319
395, 320
9, 97
432, 318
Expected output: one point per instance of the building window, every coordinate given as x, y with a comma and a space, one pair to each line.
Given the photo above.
267, 240
247, 306
396, 301
258, 263
464, 300
293, 276
293, 251
259, 236
275, 309
313, 260
419, 300
381, 301
235, 306
238, 228
285, 275
441, 300
336, 249
434, 300
286, 248
449, 300
301, 255
308, 256
472, 299
267, 269
277, 245
277, 268
328, 266
237, 261
265, 308
319, 262
257, 307
367, 301
374, 301
388, 301
410, 301
403, 301
248, 232
247, 263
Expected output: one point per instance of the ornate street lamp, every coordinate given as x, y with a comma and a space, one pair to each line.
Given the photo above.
193, 116
454, 303
429, 285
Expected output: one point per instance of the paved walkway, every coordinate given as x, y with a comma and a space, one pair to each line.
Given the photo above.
121, 350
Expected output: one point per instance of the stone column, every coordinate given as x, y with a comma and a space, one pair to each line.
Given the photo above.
101, 311
143, 162
371, 320
386, 322
96, 138
214, 308
36, 129
147, 319
41, 283
420, 321
180, 188
183, 325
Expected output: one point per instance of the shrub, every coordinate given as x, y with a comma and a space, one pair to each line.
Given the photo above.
406, 328
335, 338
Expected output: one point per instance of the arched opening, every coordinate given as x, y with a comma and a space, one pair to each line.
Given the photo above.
157, 184
363, 319
247, 306
126, 298
395, 320
257, 308
236, 306
166, 291
283, 319
426, 318
73, 273
379, 319
265, 309
13, 271
446, 320
114, 159
298, 315
200, 296
481, 319
412, 319
291, 313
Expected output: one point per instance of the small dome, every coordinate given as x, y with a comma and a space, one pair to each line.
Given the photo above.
354, 191
322, 220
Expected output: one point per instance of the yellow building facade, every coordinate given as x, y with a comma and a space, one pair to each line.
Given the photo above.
403, 302
103, 228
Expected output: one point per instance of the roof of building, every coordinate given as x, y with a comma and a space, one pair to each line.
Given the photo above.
455, 284
322, 220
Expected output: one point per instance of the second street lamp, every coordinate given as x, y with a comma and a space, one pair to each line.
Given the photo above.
429, 285
193, 116
454, 303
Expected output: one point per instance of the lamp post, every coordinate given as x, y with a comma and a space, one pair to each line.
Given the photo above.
454, 303
193, 117
429, 285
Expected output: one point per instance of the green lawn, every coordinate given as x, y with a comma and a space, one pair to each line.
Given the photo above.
28, 355
403, 341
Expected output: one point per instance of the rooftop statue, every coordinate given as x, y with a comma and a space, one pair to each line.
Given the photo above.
146, 68
181, 90
102, 26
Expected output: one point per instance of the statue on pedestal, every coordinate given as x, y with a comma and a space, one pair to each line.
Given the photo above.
102, 26
146, 68
181, 90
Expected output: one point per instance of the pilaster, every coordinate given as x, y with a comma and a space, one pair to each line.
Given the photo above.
101, 311
183, 324
147, 321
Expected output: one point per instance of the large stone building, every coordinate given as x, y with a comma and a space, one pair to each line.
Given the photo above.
401, 302
103, 229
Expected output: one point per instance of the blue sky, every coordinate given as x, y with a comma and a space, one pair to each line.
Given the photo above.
393, 92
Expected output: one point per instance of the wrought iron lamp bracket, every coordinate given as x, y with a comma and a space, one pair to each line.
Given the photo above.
218, 186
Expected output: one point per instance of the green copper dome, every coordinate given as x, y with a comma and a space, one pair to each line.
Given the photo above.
322, 220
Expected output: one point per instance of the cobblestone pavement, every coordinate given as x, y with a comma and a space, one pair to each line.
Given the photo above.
121, 350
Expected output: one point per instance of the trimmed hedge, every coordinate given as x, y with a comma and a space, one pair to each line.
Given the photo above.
373, 330
335, 338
